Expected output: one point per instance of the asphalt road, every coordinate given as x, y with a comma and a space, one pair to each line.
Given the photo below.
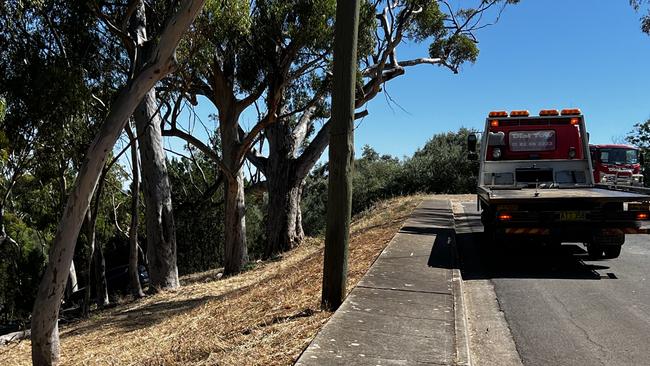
562, 308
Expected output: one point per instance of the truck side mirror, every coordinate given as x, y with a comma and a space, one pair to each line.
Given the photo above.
471, 147
471, 142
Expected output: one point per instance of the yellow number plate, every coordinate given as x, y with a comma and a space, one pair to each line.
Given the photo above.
573, 215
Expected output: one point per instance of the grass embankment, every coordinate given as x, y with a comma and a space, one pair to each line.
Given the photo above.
264, 316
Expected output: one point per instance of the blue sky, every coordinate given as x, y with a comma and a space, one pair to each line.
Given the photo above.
542, 54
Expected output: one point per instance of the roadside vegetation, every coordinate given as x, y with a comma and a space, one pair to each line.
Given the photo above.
640, 137
116, 196
265, 316
199, 220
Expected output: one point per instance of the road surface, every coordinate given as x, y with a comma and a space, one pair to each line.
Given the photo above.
563, 309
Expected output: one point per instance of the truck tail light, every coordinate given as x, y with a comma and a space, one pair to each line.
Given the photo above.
504, 217
494, 123
575, 121
642, 216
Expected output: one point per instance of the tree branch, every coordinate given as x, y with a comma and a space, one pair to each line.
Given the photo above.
259, 161
312, 153
175, 132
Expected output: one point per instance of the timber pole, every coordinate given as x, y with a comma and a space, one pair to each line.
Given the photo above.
341, 155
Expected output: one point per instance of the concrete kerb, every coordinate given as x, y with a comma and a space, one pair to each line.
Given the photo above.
463, 354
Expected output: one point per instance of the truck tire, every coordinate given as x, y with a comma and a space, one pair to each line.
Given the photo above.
489, 235
595, 251
612, 251
605, 246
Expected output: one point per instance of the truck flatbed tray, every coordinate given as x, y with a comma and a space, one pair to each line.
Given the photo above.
552, 194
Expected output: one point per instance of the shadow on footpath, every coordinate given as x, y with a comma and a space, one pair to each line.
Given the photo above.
438, 222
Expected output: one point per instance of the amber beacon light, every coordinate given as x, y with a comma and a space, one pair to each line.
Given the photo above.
519, 114
549, 112
571, 112
498, 114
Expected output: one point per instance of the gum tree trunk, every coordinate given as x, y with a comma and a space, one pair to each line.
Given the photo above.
95, 256
44, 325
100, 275
159, 218
236, 251
73, 284
284, 219
134, 273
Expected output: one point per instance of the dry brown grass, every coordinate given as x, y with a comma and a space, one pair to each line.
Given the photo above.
265, 316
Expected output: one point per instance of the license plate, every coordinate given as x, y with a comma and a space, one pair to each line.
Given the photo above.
573, 216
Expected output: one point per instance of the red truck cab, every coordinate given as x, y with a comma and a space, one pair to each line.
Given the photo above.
616, 164
523, 138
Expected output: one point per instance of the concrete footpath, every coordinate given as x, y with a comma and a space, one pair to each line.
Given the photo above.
407, 309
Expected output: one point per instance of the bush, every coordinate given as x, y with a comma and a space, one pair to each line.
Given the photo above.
441, 166
199, 218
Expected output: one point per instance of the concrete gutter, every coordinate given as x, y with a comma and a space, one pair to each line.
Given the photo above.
463, 354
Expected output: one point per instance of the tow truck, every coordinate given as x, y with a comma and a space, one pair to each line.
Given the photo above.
617, 164
535, 183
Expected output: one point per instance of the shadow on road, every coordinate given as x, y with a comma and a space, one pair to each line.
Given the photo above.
520, 259
524, 260
479, 260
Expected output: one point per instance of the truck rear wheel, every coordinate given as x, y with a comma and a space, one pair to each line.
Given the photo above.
612, 251
605, 245
595, 251
489, 235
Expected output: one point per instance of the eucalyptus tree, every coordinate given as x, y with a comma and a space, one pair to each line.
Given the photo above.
279, 53
640, 137
238, 54
161, 232
645, 19
45, 340
47, 62
385, 28
135, 23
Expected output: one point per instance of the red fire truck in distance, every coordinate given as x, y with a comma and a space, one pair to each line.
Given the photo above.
536, 183
616, 164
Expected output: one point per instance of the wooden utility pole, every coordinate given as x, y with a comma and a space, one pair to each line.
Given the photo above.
341, 154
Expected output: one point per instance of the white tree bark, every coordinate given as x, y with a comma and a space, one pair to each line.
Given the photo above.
161, 235
73, 284
45, 332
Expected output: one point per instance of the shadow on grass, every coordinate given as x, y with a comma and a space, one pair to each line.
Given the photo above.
142, 317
